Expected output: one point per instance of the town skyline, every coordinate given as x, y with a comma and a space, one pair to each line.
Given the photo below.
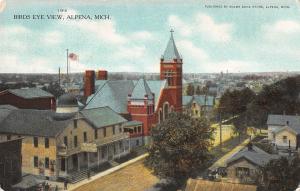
133, 41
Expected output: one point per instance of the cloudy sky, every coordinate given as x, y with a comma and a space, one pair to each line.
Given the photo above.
135, 36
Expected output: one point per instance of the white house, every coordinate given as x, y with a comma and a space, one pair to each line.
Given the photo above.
284, 131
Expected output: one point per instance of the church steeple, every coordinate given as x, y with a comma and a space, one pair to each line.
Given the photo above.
171, 70
171, 51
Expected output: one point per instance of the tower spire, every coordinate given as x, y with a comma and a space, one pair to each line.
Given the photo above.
171, 51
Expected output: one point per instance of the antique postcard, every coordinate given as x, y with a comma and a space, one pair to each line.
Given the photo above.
157, 95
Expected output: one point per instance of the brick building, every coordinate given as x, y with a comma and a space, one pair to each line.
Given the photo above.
29, 98
146, 101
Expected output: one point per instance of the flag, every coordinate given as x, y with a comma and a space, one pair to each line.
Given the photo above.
73, 56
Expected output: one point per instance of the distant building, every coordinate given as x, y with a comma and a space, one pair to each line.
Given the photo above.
243, 166
199, 105
284, 131
10, 163
30, 98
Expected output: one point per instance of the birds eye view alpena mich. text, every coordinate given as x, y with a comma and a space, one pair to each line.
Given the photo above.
150, 95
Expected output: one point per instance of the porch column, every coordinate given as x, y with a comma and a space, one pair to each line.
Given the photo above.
88, 160
107, 148
78, 161
66, 165
98, 156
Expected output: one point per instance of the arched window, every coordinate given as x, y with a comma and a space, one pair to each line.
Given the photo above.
165, 110
160, 115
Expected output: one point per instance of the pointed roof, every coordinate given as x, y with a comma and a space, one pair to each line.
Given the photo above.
141, 89
171, 51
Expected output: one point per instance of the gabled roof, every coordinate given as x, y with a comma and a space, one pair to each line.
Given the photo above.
171, 51
287, 128
102, 117
45, 123
204, 100
157, 86
255, 156
186, 100
140, 90
113, 94
30, 93
293, 121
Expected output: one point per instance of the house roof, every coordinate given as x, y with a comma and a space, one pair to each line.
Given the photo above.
278, 130
186, 100
204, 100
114, 94
102, 117
293, 121
45, 123
205, 185
141, 89
255, 156
30, 93
171, 51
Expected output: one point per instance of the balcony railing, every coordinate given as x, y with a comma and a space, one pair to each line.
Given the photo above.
91, 146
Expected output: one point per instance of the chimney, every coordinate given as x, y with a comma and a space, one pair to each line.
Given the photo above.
102, 75
89, 83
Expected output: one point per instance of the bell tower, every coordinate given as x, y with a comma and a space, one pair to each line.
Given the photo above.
171, 70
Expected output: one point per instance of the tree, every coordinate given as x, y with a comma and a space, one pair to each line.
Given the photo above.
278, 98
190, 89
54, 89
180, 147
280, 174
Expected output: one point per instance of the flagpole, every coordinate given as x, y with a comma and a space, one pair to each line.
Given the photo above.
68, 63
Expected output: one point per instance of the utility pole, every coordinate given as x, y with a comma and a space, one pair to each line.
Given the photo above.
220, 124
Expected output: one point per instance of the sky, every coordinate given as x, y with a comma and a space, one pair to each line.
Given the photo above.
134, 38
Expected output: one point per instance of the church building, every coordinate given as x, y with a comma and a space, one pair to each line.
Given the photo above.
142, 102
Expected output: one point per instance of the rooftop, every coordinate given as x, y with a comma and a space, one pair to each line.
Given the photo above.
30, 93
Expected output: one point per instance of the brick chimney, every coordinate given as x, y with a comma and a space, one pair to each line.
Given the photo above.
89, 83
102, 75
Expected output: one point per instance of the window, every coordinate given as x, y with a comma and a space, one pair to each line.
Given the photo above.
114, 130
135, 130
46, 142
96, 134
120, 145
84, 137
47, 162
75, 141
115, 149
8, 137
75, 123
103, 152
137, 142
242, 172
104, 132
66, 140
284, 139
36, 161
120, 130
139, 129
35, 141
194, 104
